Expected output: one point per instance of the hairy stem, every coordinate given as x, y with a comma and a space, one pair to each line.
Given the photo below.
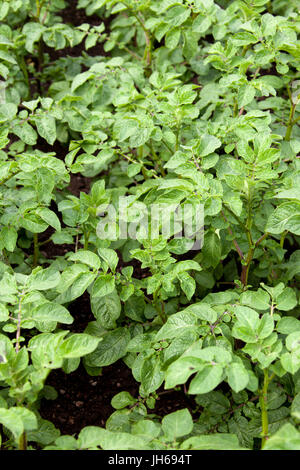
282, 238
159, 306
86, 240
263, 400
18, 334
291, 122
23, 441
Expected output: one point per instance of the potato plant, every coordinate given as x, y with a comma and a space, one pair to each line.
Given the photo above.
185, 104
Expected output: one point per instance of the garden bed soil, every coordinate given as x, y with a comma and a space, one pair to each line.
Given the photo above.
85, 400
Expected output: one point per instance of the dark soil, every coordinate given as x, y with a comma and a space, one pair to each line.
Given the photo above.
84, 400
79, 184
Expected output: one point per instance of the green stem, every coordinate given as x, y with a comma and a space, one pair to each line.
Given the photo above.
296, 120
290, 123
86, 240
235, 108
23, 67
36, 250
45, 242
159, 306
148, 48
177, 137
282, 238
23, 441
246, 266
168, 147
18, 334
263, 400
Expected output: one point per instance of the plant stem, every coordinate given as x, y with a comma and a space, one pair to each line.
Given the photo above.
23, 441
263, 400
36, 250
18, 334
160, 308
236, 245
86, 240
291, 122
282, 238
148, 48
246, 266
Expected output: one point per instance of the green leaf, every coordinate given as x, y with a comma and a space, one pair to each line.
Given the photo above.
258, 300
106, 309
44, 279
77, 345
266, 326
122, 400
246, 94
151, 374
26, 133
8, 284
7, 111
211, 249
112, 348
207, 379
177, 324
291, 362
202, 311
285, 217
179, 371
146, 429
33, 32
103, 286
6, 57
219, 441
201, 24
287, 325
49, 217
90, 437
18, 419
4, 313
177, 424
237, 376
287, 300
286, 438
50, 311
79, 286
86, 257
45, 434
187, 284
9, 236
209, 143
177, 15
247, 324
172, 38
46, 127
